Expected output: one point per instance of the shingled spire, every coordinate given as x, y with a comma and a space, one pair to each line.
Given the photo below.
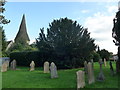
22, 36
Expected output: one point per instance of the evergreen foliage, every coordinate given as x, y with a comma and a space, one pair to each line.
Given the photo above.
21, 47
95, 56
25, 58
3, 20
104, 54
68, 43
3, 41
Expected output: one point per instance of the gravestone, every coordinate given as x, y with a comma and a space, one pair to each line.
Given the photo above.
32, 66
7, 62
111, 68
91, 78
4, 67
101, 76
80, 79
13, 65
85, 67
46, 67
105, 64
92, 62
53, 70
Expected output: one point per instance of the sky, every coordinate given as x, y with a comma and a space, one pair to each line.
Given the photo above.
94, 15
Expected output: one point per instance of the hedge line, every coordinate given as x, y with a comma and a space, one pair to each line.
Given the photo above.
62, 62
25, 58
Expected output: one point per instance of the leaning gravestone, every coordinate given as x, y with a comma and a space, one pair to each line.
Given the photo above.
80, 79
32, 66
13, 65
4, 67
91, 78
53, 70
85, 67
105, 64
46, 67
101, 76
111, 69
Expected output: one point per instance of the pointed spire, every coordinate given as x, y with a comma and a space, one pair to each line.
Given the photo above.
22, 35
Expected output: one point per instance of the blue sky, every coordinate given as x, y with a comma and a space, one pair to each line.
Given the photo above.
96, 16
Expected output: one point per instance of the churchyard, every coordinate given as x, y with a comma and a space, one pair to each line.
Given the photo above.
67, 56
22, 77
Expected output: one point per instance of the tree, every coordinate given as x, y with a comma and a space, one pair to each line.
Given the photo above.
68, 40
116, 36
3, 20
21, 47
104, 54
95, 56
3, 42
42, 42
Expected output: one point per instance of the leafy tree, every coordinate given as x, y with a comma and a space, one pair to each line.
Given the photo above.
104, 54
2, 33
68, 40
3, 20
3, 41
20, 47
95, 56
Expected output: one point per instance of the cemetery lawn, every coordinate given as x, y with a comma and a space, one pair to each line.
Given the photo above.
67, 78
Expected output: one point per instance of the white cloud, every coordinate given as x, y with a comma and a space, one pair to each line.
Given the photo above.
100, 26
85, 11
112, 9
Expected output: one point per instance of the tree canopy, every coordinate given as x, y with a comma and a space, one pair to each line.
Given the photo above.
3, 20
104, 54
3, 41
68, 40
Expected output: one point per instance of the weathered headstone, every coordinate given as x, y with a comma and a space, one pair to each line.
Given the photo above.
91, 78
101, 76
4, 67
85, 67
92, 62
13, 65
80, 79
111, 69
32, 66
7, 62
53, 70
46, 67
105, 64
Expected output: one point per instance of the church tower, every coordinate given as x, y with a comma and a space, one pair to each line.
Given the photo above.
22, 36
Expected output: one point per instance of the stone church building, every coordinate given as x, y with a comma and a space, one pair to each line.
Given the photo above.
22, 35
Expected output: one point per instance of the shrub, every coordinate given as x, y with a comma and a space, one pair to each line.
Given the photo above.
25, 58
96, 57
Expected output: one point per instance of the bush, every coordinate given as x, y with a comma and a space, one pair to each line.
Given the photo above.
96, 57
25, 58
62, 62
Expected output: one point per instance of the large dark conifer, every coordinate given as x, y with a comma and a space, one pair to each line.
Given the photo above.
69, 41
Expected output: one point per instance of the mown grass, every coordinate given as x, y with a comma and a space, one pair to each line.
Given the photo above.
23, 78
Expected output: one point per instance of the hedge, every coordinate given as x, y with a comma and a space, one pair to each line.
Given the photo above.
25, 58
62, 62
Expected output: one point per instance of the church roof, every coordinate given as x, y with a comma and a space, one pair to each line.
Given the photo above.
22, 33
